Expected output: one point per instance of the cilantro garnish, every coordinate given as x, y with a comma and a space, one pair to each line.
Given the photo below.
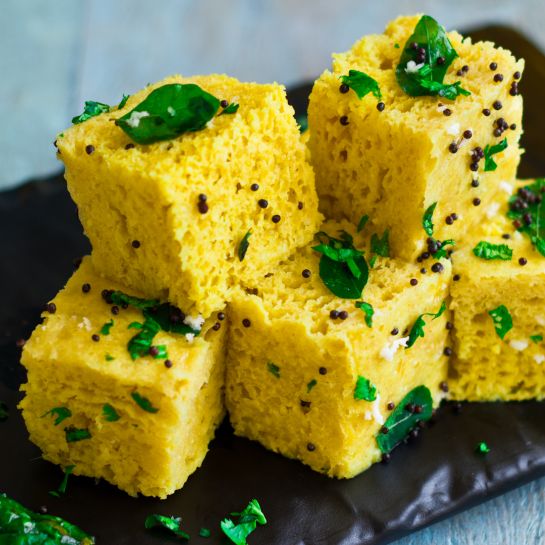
21, 526
172, 524
123, 101
536, 338
62, 487
109, 413
109, 357
362, 84
364, 390
91, 109
105, 329
425, 60
144, 403
311, 385
60, 413
427, 219
489, 251
120, 298
503, 322
274, 369
442, 251
489, 151
204, 532
302, 121
76, 434
482, 448
244, 245
4, 412
140, 344
416, 406
368, 310
245, 525
343, 268
230, 109
417, 330
528, 204
363, 220
381, 245
169, 111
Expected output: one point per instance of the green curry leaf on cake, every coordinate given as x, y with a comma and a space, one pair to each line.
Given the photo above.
490, 251
362, 84
171, 524
364, 390
245, 524
91, 109
424, 62
503, 322
417, 330
489, 152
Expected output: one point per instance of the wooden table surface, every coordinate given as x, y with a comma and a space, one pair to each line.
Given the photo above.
54, 54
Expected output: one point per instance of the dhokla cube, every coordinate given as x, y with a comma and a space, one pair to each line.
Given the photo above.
121, 387
331, 381
498, 303
186, 218
393, 155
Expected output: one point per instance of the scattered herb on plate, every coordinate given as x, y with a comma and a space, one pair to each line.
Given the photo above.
362, 84
489, 251
364, 390
62, 487
171, 524
246, 523
205, 532
417, 330
503, 322
482, 448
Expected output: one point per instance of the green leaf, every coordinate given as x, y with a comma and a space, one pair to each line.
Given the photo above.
74, 435
91, 109
503, 322
487, 250
363, 221
482, 448
368, 310
20, 526
381, 245
428, 79
4, 412
404, 418
139, 345
427, 219
274, 369
311, 385
244, 245
123, 101
536, 338
204, 532
109, 413
362, 84
417, 330
109, 357
490, 151
442, 252
230, 109
120, 298
144, 403
62, 487
60, 413
364, 390
169, 111
171, 524
247, 521
302, 121
105, 329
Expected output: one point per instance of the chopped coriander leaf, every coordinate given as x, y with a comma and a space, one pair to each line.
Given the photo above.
91, 109
245, 525
427, 222
204, 532
123, 101
105, 329
62, 487
109, 357
311, 385
503, 322
302, 121
274, 369
244, 245
362, 84
364, 390
20, 526
417, 330
417, 76
487, 250
361, 224
396, 46
230, 109
405, 417
489, 151
140, 344
4, 412
381, 245
144, 403
109, 413
120, 298
74, 435
169, 111
172, 524
368, 310
60, 413
442, 251
536, 338
482, 448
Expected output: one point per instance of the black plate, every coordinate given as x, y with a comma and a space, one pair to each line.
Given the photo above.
427, 480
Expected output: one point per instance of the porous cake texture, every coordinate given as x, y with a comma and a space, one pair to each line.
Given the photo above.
492, 298
311, 376
168, 218
143, 424
393, 157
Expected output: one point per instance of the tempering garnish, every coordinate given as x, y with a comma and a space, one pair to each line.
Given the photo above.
490, 151
60, 414
489, 251
417, 330
482, 448
73, 435
273, 369
230, 109
245, 524
105, 329
415, 407
109, 357
364, 390
109, 413
171, 524
62, 487
536, 338
425, 60
311, 385
91, 109
427, 222
302, 121
120, 298
362, 84
363, 221
503, 322
380, 245
123, 101
343, 268
244, 245
368, 310
144, 403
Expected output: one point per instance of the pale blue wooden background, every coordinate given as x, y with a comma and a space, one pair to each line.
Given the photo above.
54, 54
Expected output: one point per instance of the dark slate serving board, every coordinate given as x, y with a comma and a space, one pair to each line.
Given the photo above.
429, 479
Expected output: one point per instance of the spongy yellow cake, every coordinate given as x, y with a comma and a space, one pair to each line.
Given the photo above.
315, 377
395, 156
169, 218
499, 310
139, 414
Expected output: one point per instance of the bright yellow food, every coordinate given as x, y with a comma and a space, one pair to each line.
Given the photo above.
150, 194
150, 453
292, 369
485, 367
393, 164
